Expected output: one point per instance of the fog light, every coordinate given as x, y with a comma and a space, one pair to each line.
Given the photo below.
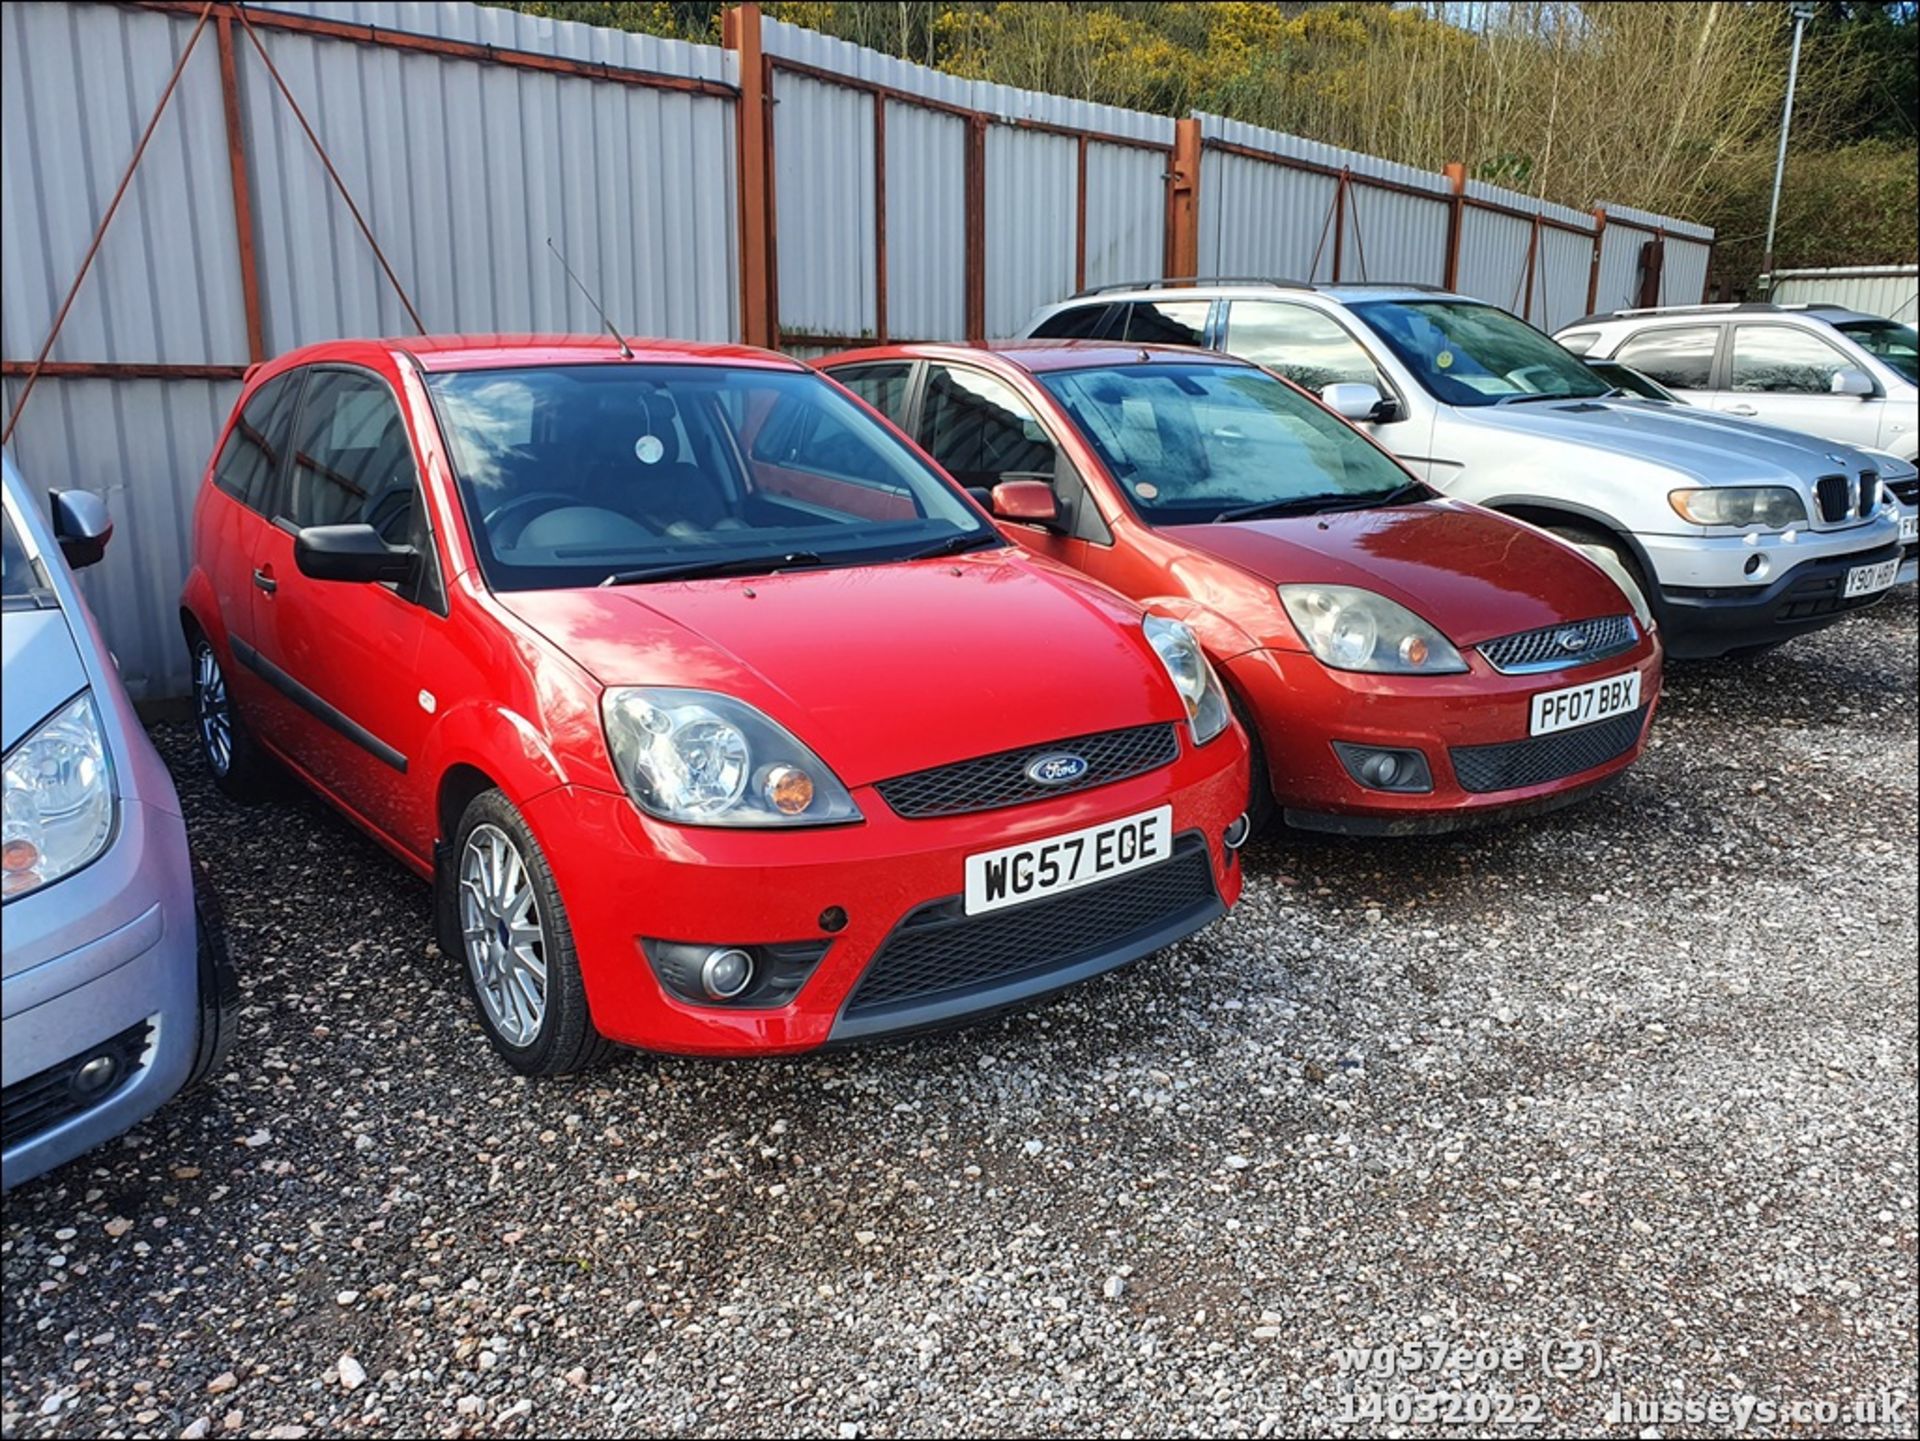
1386, 768
1235, 835
726, 973
1757, 566
95, 1076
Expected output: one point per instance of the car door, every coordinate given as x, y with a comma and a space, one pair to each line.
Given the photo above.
231, 524
341, 658
1314, 350
982, 431
1783, 375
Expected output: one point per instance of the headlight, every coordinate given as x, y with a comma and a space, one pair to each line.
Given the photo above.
1353, 629
59, 799
1179, 651
705, 759
1772, 506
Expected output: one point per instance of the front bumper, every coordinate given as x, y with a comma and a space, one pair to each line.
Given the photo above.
95, 957
1702, 622
1301, 707
624, 877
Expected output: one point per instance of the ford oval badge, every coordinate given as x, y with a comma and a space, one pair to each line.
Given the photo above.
1573, 639
1058, 769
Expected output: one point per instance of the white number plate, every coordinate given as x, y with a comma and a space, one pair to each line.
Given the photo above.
1866, 579
1910, 527
1018, 874
1582, 705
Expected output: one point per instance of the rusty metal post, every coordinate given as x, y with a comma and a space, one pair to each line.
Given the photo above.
740, 33
1593, 272
880, 217
976, 197
1183, 201
1456, 174
1533, 256
1339, 221
1080, 221
242, 190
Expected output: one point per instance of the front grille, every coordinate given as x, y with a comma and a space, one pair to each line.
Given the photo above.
1869, 492
1834, 506
1548, 648
48, 1097
989, 782
940, 952
1907, 491
1513, 764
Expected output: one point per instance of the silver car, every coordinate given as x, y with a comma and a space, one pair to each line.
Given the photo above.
1822, 370
117, 990
1735, 536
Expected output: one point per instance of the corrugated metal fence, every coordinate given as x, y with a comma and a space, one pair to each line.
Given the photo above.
897, 202
1889, 290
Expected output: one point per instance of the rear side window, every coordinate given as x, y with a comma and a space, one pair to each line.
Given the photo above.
1680, 358
981, 431
251, 457
351, 457
1082, 322
1167, 322
884, 387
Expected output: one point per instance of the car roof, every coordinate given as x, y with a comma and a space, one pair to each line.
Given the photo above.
1811, 310
499, 351
1038, 356
1206, 287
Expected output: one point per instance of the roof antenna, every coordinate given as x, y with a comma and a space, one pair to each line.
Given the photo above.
626, 351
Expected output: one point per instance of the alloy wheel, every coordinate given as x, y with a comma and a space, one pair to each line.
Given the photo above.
500, 925
213, 712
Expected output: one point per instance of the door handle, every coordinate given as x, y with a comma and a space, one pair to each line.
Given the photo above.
1741, 410
264, 579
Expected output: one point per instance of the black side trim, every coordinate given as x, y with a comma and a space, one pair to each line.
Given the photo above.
315, 706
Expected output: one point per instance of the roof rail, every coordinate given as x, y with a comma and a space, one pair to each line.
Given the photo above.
1165, 282
1725, 307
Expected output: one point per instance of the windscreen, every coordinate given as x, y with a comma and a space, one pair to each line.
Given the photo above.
1470, 354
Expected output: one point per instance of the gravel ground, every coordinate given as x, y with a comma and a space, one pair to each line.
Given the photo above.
1629, 1089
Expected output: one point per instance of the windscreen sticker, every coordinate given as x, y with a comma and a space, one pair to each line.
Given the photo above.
1146, 489
648, 449
1444, 359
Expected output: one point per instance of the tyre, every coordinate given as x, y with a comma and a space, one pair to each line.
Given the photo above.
1615, 559
227, 748
516, 946
1260, 805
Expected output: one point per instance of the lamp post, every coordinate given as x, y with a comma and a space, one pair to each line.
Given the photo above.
1802, 13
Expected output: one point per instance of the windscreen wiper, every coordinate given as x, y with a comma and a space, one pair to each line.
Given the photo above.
697, 569
955, 545
1267, 509
1399, 495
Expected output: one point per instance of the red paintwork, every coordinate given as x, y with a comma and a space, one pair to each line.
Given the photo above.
882, 670
1474, 574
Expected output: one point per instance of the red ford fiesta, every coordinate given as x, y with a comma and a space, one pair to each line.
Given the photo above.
720, 719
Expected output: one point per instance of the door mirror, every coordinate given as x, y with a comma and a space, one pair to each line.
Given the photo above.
1852, 382
81, 525
352, 552
1354, 400
1030, 502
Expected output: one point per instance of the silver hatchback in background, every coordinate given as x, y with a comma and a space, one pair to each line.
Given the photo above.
117, 991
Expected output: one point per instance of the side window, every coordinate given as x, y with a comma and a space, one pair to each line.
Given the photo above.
251, 457
1679, 357
1081, 322
351, 457
1308, 348
1780, 360
884, 387
803, 435
1167, 322
980, 430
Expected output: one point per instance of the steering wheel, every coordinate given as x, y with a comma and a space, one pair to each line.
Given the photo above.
493, 521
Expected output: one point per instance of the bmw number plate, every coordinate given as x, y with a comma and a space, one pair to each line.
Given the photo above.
1866, 579
1017, 874
1582, 705
1910, 528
